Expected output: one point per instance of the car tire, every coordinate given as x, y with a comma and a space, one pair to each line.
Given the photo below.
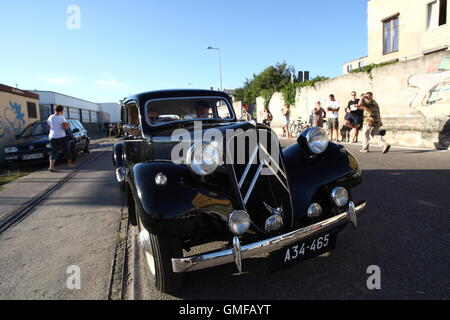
158, 252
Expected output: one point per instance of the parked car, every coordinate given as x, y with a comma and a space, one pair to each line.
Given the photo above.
33, 145
185, 189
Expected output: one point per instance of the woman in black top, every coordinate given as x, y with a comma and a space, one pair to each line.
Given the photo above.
354, 117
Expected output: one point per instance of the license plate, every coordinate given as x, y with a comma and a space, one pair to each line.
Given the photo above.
33, 156
301, 251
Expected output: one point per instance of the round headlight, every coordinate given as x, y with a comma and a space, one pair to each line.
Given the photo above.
317, 140
339, 196
203, 158
314, 211
11, 150
239, 222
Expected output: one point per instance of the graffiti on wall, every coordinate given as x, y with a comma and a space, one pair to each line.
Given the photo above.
432, 87
12, 120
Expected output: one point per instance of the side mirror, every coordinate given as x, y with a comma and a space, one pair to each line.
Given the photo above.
76, 130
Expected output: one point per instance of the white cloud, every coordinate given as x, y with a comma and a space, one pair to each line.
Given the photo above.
63, 80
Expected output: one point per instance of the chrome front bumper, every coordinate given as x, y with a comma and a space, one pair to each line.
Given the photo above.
239, 253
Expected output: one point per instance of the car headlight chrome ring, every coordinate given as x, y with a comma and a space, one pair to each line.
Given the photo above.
203, 158
239, 222
317, 140
339, 196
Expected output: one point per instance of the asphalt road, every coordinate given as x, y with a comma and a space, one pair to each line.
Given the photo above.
405, 231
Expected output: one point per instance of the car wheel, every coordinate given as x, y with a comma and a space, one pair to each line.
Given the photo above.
158, 253
86, 147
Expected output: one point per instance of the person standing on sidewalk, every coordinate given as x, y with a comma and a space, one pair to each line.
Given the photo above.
267, 116
318, 115
333, 108
58, 137
286, 121
372, 122
354, 117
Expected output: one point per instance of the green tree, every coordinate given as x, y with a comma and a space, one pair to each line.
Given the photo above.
270, 80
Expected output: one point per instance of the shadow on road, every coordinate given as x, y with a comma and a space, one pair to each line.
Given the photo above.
404, 231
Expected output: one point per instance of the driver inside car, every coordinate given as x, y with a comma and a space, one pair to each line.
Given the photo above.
153, 116
202, 110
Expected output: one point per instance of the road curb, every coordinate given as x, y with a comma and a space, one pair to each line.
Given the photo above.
119, 265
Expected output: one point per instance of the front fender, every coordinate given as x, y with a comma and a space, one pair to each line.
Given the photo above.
311, 177
182, 197
118, 155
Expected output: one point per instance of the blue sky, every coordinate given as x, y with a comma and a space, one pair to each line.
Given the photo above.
125, 47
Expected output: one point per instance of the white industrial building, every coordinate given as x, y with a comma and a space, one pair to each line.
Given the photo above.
91, 114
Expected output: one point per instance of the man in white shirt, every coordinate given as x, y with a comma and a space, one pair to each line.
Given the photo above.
333, 108
58, 137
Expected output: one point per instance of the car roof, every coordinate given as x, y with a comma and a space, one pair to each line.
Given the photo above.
174, 93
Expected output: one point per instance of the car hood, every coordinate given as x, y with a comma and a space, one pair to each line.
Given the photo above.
26, 141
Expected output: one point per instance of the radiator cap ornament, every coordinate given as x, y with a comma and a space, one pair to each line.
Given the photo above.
275, 221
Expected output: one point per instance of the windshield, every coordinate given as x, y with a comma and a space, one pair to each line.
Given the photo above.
35, 129
163, 111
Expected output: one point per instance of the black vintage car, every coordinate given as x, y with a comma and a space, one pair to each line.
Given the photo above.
33, 145
193, 175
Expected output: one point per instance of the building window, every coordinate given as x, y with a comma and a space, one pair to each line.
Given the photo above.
360, 64
94, 117
73, 113
32, 110
85, 116
437, 14
390, 29
349, 68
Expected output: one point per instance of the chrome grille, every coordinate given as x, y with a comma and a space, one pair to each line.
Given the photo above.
260, 175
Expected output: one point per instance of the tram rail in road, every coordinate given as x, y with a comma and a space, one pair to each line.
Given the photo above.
20, 213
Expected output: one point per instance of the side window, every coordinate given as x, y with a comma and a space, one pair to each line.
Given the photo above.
72, 125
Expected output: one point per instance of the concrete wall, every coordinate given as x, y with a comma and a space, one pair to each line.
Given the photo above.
13, 117
414, 37
414, 97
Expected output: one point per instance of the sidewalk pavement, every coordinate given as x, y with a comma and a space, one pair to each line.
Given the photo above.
24, 189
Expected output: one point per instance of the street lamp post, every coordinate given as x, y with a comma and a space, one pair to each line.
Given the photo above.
220, 65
